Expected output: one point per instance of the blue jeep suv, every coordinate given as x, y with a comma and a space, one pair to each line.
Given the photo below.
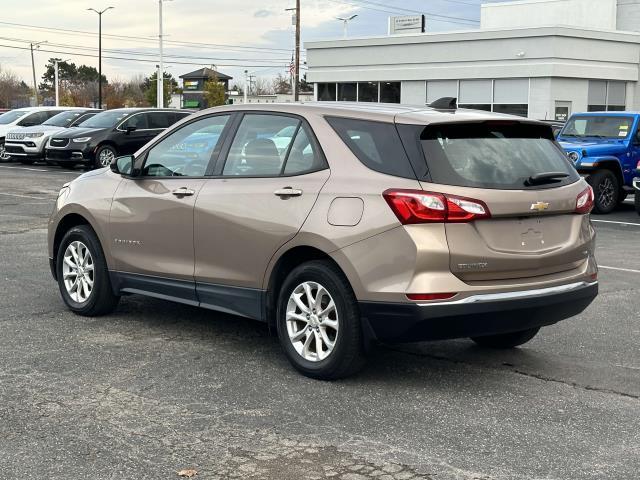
605, 148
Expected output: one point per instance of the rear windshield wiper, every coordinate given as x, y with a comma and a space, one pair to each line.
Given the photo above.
542, 178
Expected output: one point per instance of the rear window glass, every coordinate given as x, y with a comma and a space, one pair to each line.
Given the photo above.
491, 155
376, 144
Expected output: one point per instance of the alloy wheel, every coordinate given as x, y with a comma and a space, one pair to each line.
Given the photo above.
3, 152
106, 157
606, 193
78, 272
312, 321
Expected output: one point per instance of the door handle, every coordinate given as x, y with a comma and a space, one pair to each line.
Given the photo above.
288, 192
183, 192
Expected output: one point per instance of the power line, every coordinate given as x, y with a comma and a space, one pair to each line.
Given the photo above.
409, 10
133, 59
147, 39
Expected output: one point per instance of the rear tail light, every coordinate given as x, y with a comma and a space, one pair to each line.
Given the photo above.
430, 296
418, 206
638, 166
584, 202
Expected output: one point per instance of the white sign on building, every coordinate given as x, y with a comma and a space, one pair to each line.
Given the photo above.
407, 24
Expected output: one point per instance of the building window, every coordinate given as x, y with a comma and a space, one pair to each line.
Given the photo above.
327, 92
606, 96
441, 88
347, 92
386, 92
510, 95
368, 91
390, 92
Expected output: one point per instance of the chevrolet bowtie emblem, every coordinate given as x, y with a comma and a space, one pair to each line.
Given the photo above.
539, 206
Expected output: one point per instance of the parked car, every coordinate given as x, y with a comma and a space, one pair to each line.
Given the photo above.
605, 148
27, 144
556, 126
102, 138
24, 117
376, 223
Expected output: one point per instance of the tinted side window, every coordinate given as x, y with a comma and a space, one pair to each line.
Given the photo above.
159, 119
175, 117
82, 118
138, 121
260, 145
187, 151
376, 144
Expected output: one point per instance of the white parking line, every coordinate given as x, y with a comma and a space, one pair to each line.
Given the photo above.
20, 196
617, 223
37, 170
628, 270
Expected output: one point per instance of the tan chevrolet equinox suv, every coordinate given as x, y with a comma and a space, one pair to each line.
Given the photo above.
340, 225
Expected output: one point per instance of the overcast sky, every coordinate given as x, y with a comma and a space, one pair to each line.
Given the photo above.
252, 34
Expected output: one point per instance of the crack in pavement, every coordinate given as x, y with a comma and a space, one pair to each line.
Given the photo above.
537, 376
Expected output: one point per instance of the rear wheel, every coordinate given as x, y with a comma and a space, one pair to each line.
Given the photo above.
105, 155
83, 277
318, 322
606, 189
507, 340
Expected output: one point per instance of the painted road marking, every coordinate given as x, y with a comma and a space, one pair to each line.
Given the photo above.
39, 170
617, 223
628, 270
24, 196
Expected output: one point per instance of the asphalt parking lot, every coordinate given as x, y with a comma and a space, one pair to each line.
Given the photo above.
158, 387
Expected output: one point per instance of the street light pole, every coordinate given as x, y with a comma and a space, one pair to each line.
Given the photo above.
160, 79
345, 21
296, 67
100, 12
55, 81
33, 67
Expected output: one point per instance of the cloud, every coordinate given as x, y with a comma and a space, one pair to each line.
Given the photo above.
262, 13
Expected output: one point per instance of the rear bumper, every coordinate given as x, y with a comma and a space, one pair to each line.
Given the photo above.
478, 315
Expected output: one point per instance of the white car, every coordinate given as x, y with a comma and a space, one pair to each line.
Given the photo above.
27, 144
24, 117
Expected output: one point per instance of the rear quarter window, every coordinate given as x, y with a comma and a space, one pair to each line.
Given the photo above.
376, 144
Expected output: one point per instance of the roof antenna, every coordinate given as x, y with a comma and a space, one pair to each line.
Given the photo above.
445, 103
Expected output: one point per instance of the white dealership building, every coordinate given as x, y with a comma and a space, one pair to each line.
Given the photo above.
538, 58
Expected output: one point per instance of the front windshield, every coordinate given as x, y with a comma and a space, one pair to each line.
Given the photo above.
104, 120
11, 117
598, 126
63, 119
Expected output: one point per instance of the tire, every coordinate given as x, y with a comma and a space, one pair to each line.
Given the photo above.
4, 157
104, 156
507, 340
636, 201
606, 189
347, 355
100, 299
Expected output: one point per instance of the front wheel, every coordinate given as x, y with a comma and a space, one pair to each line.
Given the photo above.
83, 277
105, 155
4, 156
318, 322
606, 189
507, 340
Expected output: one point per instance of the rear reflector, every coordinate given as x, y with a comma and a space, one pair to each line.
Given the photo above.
584, 202
418, 206
430, 296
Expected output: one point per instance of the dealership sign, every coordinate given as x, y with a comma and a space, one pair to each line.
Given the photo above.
407, 24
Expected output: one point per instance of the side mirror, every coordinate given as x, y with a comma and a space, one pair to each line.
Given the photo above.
130, 129
122, 165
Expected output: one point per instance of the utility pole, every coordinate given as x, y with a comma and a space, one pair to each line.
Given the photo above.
246, 85
160, 79
33, 68
251, 77
100, 12
296, 71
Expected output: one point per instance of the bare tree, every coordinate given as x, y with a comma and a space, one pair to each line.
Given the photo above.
262, 86
12, 90
281, 84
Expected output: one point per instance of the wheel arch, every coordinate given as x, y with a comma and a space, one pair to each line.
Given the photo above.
284, 264
613, 165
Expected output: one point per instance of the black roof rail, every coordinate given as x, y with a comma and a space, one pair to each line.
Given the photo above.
445, 103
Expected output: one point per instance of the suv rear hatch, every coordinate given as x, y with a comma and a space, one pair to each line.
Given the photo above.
534, 224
